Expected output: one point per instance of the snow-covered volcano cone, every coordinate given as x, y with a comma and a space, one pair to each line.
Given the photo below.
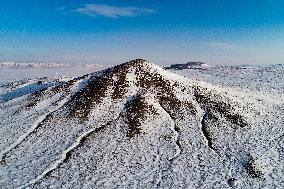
135, 125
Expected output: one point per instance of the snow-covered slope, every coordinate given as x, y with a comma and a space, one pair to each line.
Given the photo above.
138, 126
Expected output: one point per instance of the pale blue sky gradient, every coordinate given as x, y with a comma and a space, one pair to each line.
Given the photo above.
164, 32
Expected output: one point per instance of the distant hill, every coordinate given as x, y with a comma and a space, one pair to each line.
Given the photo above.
189, 65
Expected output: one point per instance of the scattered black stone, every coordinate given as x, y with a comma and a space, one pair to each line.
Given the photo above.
231, 182
252, 169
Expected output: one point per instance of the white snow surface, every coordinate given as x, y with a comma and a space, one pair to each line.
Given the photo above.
11, 72
42, 147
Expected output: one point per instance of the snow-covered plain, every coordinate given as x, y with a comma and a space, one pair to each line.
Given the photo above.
139, 126
11, 72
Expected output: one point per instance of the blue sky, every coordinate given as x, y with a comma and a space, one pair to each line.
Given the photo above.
164, 32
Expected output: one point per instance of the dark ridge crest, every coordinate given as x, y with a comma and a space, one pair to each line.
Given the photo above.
136, 111
204, 98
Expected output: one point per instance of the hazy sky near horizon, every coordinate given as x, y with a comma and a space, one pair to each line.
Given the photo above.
164, 32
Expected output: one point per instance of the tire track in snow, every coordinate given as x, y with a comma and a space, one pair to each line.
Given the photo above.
37, 123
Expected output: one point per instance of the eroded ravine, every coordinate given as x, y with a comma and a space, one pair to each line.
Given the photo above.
37, 123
